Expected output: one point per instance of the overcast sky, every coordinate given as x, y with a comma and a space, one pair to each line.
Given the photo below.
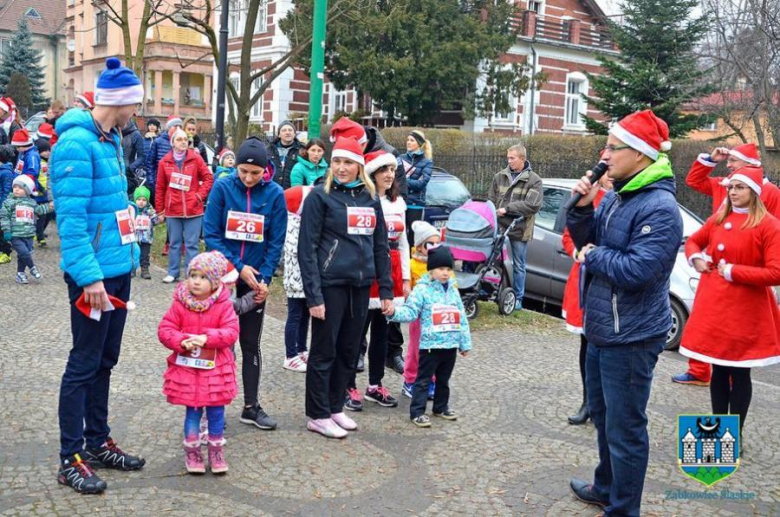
609, 6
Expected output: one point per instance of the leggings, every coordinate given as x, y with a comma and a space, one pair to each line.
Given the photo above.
216, 418
731, 390
583, 357
250, 332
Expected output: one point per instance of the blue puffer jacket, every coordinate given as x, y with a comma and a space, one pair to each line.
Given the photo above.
158, 149
417, 170
266, 199
6, 180
89, 186
638, 233
425, 294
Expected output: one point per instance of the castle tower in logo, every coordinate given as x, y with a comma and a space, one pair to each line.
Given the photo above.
707, 449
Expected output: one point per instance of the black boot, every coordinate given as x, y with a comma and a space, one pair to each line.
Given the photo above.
581, 417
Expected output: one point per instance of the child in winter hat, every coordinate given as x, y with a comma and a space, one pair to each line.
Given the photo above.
227, 163
145, 220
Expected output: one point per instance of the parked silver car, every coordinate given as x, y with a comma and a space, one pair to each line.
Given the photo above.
548, 265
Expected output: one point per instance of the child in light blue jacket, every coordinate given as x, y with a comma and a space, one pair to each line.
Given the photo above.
444, 332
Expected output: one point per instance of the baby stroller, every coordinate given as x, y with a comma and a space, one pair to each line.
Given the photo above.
486, 274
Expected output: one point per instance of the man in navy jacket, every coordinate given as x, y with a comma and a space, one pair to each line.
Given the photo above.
627, 249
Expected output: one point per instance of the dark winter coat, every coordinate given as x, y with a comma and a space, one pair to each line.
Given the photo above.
6, 180
637, 232
283, 166
417, 169
133, 147
521, 195
6, 149
159, 148
329, 256
199, 146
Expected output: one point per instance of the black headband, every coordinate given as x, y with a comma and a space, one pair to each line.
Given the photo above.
417, 136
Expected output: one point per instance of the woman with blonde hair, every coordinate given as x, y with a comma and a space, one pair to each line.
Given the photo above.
417, 166
737, 252
342, 248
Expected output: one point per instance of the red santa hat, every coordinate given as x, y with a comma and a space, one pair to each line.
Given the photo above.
6, 104
46, 130
294, 198
173, 121
377, 160
348, 148
346, 128
231, 277
224, 153
644, 132
87, 99
114, 303
753, 177
21, 138
747, 153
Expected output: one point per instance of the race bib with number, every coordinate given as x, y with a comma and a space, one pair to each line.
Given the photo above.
242, 226
446, 318
395, 226
25, 214
360, 221
19, 166
180, 181
143, 223
201, 358
126, 225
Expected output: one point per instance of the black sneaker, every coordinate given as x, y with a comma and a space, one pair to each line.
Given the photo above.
75, 473
395, 363
381, 396
447, 414
422, 421
354, 400
361, 366
256, 416
110, 456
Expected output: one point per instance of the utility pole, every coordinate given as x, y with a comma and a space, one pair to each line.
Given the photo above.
222, 74
317, 73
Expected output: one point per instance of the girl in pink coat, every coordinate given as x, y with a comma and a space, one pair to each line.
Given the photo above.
200, 327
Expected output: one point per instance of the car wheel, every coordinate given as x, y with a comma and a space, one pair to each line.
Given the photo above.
471, 308
506, 301
679, 318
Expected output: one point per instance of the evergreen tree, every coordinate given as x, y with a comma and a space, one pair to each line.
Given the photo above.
22, 57
18, 89
657, 67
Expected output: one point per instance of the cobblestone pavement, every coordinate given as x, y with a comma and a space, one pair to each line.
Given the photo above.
510, 453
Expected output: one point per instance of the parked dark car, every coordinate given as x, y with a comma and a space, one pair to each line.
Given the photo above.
444, 194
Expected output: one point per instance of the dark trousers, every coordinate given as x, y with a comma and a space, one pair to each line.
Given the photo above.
40, 226
296, 330
412, 215
618, 382
377, 348
250, 331
395, 340
83, 410
146, 250
439, 362
731, 390
24, 253
334, 346
5, 246
583, 360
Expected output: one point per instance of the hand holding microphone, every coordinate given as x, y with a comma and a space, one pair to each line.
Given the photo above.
584, 192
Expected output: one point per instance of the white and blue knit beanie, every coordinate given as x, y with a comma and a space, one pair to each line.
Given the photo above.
118, 86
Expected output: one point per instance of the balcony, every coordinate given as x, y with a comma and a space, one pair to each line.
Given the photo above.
564, 32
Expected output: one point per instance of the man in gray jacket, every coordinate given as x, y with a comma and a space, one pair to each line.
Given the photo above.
516, 191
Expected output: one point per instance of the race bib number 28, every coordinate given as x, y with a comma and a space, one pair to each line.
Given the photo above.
360, 220
446, 318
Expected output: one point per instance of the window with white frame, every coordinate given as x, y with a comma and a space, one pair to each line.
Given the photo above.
536, 6
339, 101
238, 15
257, 108
262, 18
101, 27
576, 85
508, 116
5, 45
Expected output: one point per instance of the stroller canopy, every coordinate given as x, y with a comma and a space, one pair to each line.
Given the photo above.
471, 230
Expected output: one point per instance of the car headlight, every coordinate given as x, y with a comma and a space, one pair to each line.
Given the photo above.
694, 283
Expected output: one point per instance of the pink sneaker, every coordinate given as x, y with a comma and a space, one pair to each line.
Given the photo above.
326, 427
217, 457
344, 422
193, 459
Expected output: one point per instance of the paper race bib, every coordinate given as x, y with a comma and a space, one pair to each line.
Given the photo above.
25, 214
446, 318
19, 166
242, 226
126, 225
201, 358
395, 226
360, 220
143, 223
180, 181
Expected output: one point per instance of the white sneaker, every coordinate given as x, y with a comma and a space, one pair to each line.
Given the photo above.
304, 356
344, 422
295, 364
169, 279
326, 427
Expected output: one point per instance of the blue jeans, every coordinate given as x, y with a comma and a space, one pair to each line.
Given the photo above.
188, 230
215, 416
83, 410
24, 253
519, 249
296, 329
619, 379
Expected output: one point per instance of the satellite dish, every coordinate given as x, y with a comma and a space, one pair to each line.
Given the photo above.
71, 45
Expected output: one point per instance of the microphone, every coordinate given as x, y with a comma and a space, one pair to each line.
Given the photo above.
598, 171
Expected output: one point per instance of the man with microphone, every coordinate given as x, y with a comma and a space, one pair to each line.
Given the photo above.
628, 249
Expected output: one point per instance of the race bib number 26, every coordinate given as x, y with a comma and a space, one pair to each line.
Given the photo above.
243, 226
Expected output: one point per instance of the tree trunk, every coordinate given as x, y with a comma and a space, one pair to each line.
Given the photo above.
128, 42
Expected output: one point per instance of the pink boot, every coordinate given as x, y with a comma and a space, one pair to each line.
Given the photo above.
193, 459
216, 456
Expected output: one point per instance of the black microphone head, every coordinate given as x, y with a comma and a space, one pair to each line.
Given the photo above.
599, 170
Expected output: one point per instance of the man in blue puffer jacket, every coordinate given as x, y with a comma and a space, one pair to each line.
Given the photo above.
98, 253
627, 249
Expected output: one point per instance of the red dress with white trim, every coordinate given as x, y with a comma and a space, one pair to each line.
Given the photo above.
735, 320
571, 310
395, 219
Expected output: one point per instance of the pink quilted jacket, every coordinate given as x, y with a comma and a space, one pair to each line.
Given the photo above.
194, 387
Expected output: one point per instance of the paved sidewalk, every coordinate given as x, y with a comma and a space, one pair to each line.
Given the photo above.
510, 453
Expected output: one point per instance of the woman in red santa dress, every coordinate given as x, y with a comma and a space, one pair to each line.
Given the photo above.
737, 252
571, 310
